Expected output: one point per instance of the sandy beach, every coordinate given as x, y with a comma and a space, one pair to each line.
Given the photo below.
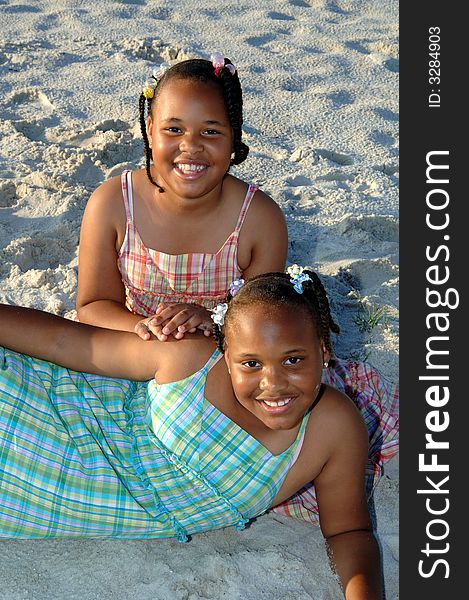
320, 83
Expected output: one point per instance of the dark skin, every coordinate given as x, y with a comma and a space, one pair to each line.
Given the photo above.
191, 142
275, 365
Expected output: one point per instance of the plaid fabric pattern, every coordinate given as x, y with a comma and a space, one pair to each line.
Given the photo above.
378, 401
151, 277
227, 458
83, 454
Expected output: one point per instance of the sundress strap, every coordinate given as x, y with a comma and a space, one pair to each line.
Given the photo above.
213, 359
126, 185
252, 189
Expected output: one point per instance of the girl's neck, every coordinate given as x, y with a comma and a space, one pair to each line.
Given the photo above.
197, 206
202, 224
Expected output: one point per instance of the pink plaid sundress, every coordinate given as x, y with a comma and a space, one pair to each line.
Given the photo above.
151, 276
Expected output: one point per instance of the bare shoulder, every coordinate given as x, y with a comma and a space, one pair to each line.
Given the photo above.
263, 241
337, 412
335, 427
183, 357
262, 205
266, 216
107, 196
105, 209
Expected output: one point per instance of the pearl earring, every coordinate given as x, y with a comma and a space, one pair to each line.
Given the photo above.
326, 364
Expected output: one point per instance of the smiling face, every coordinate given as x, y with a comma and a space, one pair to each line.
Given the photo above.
276, 362
191, 138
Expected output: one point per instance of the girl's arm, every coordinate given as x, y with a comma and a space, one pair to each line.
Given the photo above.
266, 236
101, 293
343, 511
78, 346
354, 556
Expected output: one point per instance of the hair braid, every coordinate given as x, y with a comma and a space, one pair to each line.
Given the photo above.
143, 127
233, 97
219, 337
217, 331
326, 324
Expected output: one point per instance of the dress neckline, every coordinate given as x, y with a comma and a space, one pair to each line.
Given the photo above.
287, 450
129, 208
234, 233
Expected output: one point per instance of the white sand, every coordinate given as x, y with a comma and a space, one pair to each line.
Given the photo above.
320, 81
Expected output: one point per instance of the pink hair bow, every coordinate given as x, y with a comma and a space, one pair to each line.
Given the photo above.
218, 62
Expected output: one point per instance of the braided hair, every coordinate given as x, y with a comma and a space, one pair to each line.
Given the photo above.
276, 289
203, 71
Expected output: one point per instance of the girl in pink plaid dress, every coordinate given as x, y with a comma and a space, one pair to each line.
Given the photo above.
159, 246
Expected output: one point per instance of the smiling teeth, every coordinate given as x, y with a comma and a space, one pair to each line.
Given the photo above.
278, 403
190, 168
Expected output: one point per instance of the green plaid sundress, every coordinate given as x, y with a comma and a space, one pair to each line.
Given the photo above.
86, 455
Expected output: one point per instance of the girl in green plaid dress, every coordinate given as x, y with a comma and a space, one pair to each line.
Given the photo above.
130, 438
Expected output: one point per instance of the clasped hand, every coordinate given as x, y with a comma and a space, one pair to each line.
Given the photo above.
176, 320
